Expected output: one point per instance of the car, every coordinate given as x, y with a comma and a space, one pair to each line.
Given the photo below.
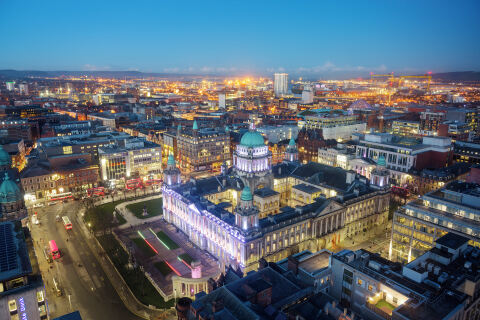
52, 203
58, 218
39, 205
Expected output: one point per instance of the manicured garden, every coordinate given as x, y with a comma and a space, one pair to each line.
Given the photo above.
165, 239
163, 268
154, 208
101, 217
185, 257
136, 280
144, 247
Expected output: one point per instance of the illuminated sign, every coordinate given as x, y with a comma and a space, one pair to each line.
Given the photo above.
21, 302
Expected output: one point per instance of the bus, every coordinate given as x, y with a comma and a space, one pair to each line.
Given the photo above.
153, 182
54, 252
133, 184
99, 191
61, 196
67, 223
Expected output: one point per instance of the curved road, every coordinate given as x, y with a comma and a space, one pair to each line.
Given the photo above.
84, 285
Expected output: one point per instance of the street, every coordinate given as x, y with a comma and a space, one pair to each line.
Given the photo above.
83, 283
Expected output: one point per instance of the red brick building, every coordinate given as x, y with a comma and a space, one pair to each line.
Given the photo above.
308, 143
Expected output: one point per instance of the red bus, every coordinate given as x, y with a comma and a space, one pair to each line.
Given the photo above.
61, 196
153, 182
54, 250
133, 184
99, 191
67, 223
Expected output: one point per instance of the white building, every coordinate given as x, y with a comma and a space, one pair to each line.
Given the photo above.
335, 157
335, 126
307, 95
280, 84
221, 101
10, 85
23, 87
275, 134
402, 153
138, 159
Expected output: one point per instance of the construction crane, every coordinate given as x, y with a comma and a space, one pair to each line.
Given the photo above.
427, 76
390, 76
399, 79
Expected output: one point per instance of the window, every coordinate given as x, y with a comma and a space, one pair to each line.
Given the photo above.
359, 281
370, 287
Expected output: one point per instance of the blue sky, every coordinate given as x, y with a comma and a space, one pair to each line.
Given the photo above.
307, 37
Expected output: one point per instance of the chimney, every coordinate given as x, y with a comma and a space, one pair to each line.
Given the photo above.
293, 264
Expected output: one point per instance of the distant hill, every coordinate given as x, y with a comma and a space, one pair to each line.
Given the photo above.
18, 74
469, 76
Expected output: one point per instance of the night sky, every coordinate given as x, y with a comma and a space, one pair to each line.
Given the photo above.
234, 37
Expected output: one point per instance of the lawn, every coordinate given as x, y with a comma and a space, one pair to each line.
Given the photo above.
144, 247
136, 280
185, 257
101, 217
171, 245
163, 268
385, 306
121, 220
154, 208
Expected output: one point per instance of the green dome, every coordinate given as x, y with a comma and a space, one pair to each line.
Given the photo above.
246, 194
9, 191
291, 143
381, 161
4, 157
171, 160
252, 139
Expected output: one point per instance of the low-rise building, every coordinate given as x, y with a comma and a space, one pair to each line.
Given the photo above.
405, 128
335, 125
417, 225
440, 284
135, 159
404, 153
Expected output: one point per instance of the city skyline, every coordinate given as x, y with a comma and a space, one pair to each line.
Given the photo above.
310, 39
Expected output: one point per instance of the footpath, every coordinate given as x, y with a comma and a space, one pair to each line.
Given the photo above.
124, 292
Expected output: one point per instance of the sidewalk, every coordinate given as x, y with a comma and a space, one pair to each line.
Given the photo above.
128, 298
132, 220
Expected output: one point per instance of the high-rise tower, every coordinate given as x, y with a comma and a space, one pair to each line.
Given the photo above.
280, 84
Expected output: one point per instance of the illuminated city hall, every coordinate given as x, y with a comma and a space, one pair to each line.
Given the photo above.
255, 210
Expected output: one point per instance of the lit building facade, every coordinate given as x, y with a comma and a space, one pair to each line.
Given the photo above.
454, 208
280, 84
440, 284
335, 126
405, 128
201, 149
402, 153
138, 159
219, 214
